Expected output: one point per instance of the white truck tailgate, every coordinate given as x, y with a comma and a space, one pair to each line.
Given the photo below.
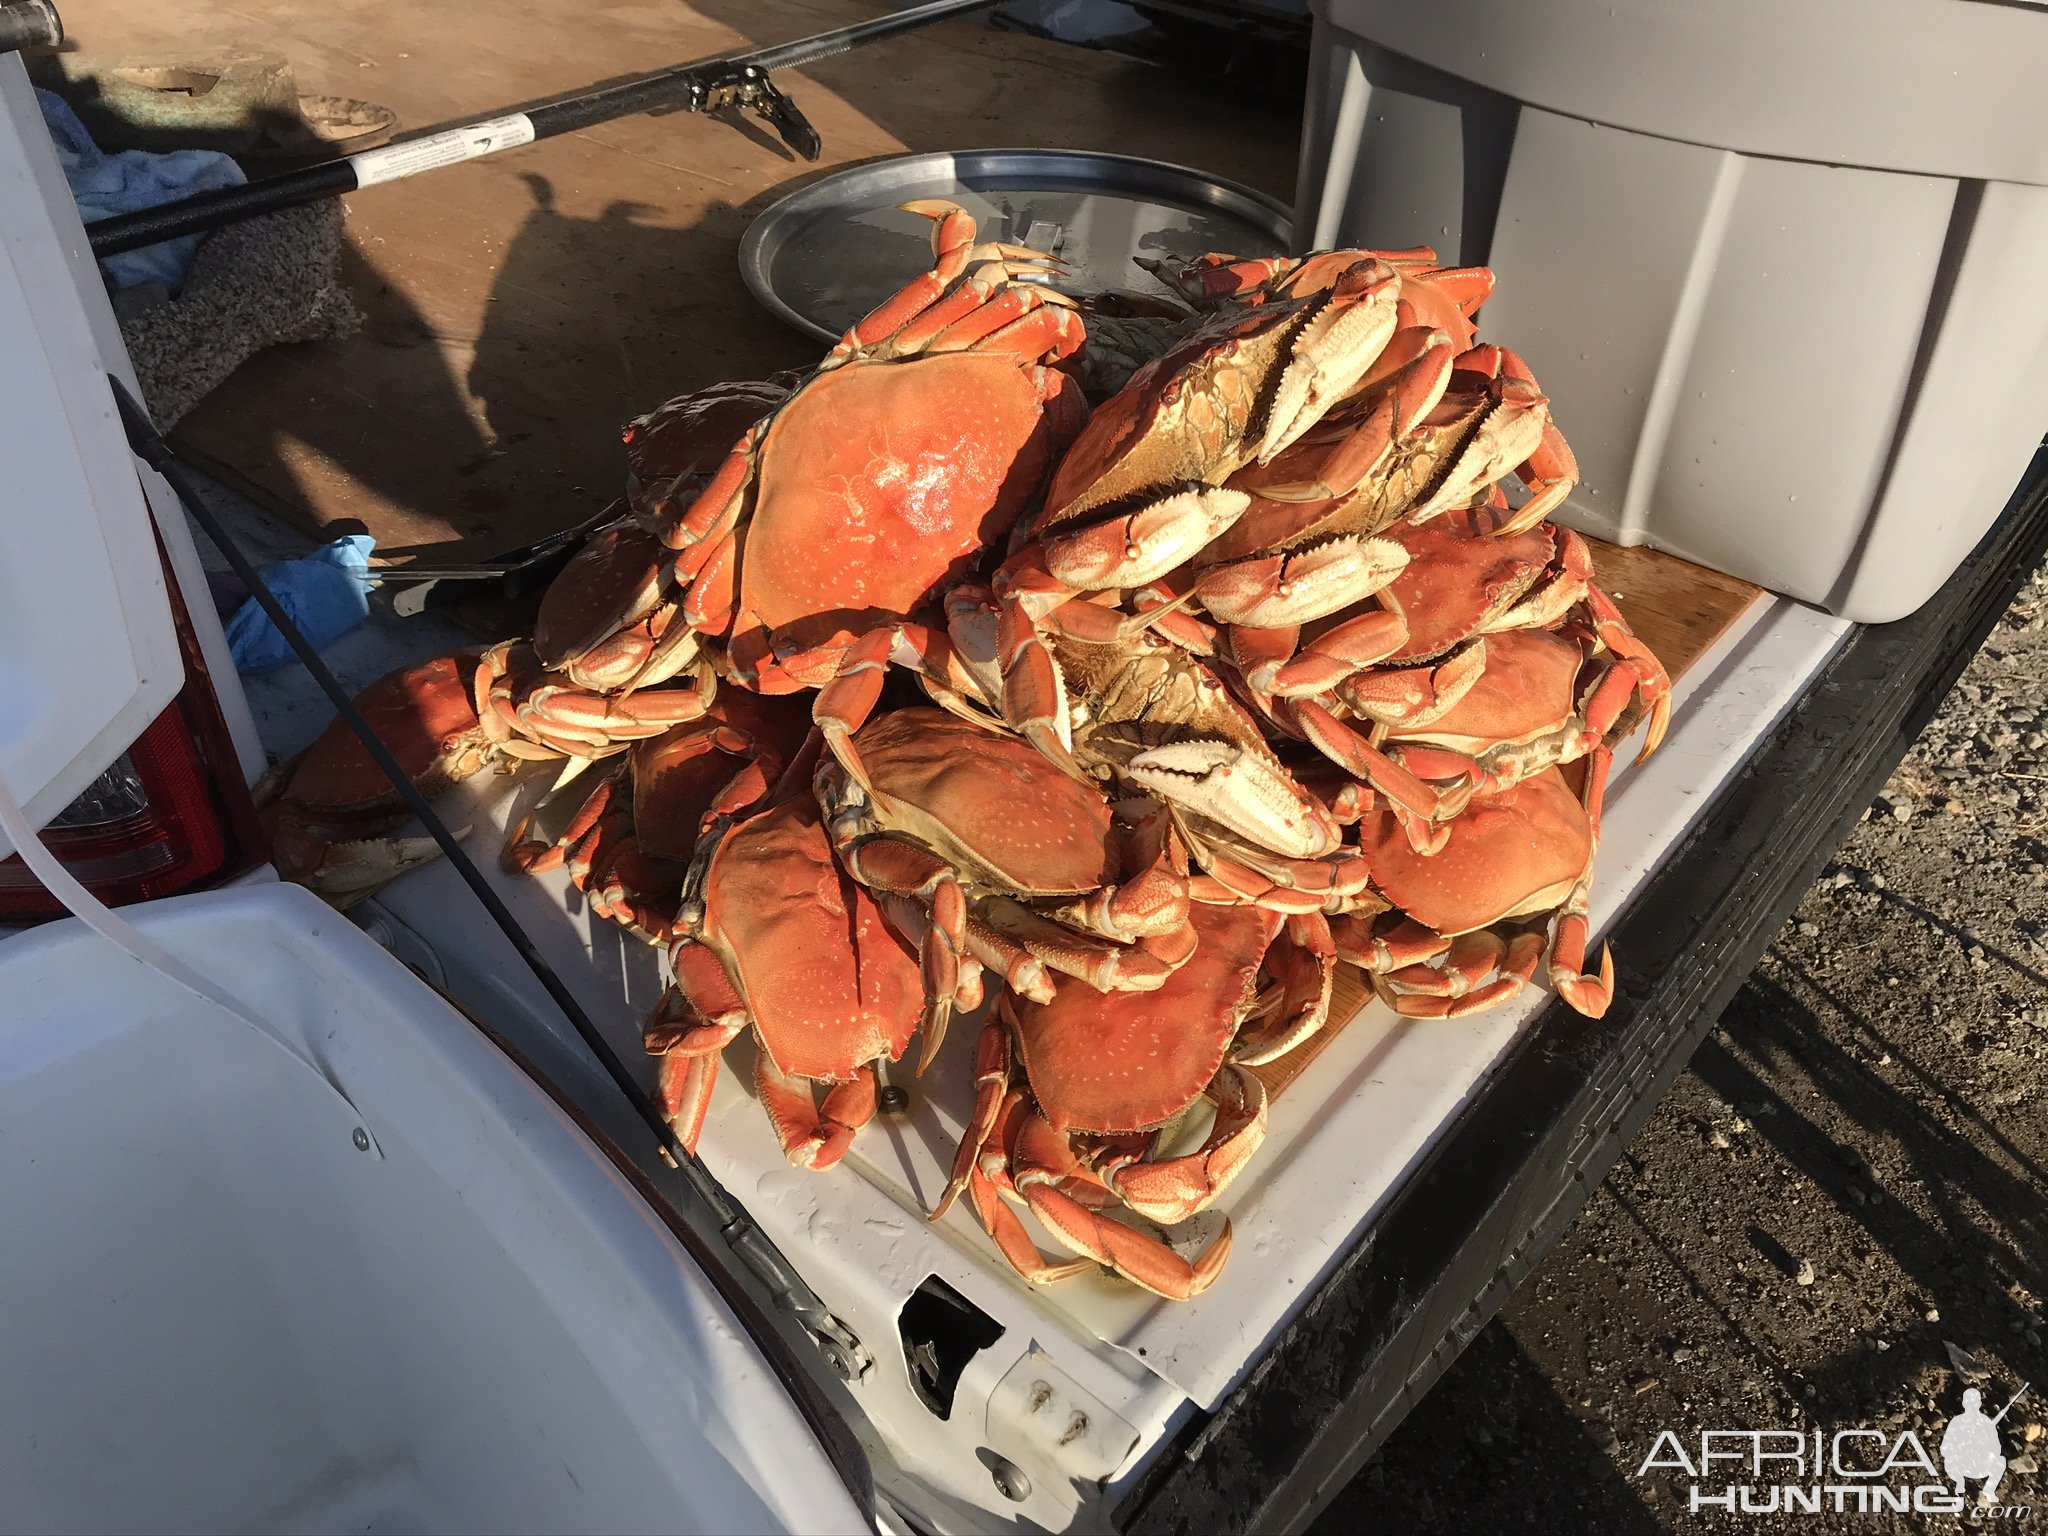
227, 1310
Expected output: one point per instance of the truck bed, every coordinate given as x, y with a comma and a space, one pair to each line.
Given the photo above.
1356, 1113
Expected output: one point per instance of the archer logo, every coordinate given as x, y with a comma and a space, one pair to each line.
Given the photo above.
1848, 1471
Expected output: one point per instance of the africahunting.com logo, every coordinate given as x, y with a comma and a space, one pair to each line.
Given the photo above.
1845, 1471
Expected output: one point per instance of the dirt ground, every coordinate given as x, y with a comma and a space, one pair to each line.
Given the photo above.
1837, 1219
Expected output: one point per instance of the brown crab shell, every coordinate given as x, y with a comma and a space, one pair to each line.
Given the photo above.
989, 802
1513, 853
1128, 1061
690, 434
1459, 574
1181, 416
828, 983
616, 579
426, 717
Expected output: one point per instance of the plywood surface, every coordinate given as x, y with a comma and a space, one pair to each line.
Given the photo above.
522, 307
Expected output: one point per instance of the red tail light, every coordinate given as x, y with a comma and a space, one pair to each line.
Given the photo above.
171, 815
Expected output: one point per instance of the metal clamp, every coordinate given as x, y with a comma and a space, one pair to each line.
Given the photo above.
749, 86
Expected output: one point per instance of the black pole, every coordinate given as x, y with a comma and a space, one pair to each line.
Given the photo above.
687, 87
29, 24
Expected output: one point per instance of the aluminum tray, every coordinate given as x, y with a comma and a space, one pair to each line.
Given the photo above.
828, 253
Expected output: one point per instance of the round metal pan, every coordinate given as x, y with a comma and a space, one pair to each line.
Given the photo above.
828, 253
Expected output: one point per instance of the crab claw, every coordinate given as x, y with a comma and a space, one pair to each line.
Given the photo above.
1335, 349
1302, 585
1589, 994
342, 874
1138, 549
1250, 795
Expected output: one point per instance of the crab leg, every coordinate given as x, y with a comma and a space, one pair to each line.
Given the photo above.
1458, 985
1142, 1260
1420, 807
1306, 958
1175, 1188
1589, 994
993, 1098
696, 1019
1163, 606
1422, 974
1328, 658
1551, 472
1022, 972
1102, 964
892, 866
1637, 671
526, 855
1028, 321
814, 1136
1014, 1243
848, 697
954, 251
716, 510
1251, 876
631, 887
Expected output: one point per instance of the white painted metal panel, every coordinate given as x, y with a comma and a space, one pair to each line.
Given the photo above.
224, 1314
85, 626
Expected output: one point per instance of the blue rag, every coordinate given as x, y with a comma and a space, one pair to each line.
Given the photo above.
324, 593
104, 185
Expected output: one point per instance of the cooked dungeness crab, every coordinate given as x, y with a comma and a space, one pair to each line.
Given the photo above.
1077, 1131
1005, 858
1473, 917
326, 811
775, 937
850, 508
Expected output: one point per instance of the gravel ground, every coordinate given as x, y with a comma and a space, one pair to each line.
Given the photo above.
1838, 1218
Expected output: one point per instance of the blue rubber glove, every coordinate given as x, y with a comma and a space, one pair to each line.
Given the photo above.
324, 593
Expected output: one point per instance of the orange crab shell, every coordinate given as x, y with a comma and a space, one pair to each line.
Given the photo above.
1529, 687
879, 485
1512, 853
1459, 574
829, 984
1128, 1061
999, 800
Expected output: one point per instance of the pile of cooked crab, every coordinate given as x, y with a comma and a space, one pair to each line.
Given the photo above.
918, 685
